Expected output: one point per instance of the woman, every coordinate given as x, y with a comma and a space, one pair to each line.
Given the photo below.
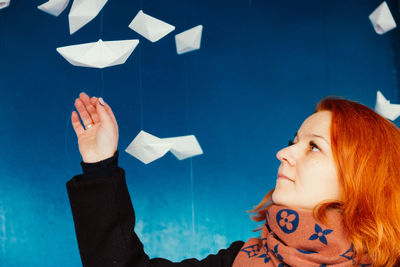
336, 200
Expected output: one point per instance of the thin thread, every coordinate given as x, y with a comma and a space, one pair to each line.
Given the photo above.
101, 70
101, 24
250, 2
140, 78
192, 196
140, 89
1, 31
395, 51
101, 94
185, 69
66, 142
326, 44
3, 230
102, 83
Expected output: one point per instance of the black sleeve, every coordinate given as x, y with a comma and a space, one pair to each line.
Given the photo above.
100, 169
104, 224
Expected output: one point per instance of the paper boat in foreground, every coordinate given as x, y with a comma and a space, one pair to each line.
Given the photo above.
147, 147
98, 54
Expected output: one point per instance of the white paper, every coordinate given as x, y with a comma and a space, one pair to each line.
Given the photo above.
82, 12
382, 19
385, 109
4, 3
188, 40
184, 147
99, 54
54, 7
147, 147
149, 27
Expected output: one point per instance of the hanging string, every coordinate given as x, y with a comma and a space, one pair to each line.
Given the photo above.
192, 200
101, 70
140, 88
66, 142
1, 31
101, 94
326, 43
101, 23
102, 83
68, 123
185, 67
140, 79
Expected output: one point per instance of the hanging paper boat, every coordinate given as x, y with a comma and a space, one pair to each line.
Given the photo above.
98, 54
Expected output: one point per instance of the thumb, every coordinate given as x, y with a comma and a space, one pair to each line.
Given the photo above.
103, 113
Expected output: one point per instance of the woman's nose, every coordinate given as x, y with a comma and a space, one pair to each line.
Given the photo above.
286, 154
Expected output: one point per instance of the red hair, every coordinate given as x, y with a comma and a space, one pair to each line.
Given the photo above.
366, 150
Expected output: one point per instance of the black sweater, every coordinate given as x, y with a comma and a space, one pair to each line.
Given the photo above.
104, 222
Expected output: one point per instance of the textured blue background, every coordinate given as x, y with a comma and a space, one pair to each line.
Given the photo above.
262, 68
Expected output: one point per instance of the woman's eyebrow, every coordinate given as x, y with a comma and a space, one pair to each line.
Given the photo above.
315, 135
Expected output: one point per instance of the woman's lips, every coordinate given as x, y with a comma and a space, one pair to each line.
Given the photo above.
284, 177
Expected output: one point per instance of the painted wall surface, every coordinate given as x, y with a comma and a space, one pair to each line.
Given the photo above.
262, 67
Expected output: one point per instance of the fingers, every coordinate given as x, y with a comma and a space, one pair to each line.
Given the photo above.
104, 113
111, 114
93, 100
91, 109
83, 112
76, 124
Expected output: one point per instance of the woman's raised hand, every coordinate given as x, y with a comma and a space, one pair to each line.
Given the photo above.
99, 139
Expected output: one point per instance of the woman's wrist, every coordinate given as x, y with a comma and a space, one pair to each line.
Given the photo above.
91, 158
101, 168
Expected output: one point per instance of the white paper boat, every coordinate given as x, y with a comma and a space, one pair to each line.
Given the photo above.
188, 40
385, 109
149, 27
4, 3
82, 12
54, 7
98, 54
147, 147
382, 19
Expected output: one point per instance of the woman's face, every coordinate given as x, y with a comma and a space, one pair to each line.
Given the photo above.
309, 165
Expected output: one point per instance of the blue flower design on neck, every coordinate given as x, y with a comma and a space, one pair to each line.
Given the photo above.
349, 254
320, 234
288, 220
252, 250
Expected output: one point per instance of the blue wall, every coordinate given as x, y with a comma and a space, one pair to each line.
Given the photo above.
262, 68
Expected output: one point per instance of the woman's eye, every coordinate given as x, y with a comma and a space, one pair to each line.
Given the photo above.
313, 145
